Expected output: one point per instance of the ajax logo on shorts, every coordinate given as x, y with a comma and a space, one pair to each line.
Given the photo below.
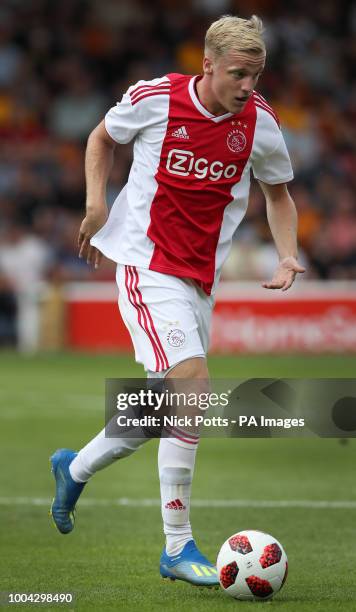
183, 163
236, 141
176, 338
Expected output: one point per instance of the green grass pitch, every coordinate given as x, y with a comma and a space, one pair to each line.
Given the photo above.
111, 559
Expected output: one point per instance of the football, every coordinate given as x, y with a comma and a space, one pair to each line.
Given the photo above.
252, 565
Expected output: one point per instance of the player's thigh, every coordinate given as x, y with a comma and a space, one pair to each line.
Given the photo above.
193, 368
160, 314
204, 311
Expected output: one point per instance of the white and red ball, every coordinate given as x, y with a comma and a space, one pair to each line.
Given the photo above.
252, 565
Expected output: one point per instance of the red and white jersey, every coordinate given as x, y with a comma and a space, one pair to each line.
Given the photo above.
189, 182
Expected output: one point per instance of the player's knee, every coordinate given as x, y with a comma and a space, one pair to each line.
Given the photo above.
194, 368
175, 475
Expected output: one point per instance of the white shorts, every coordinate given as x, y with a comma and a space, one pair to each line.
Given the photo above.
168, 317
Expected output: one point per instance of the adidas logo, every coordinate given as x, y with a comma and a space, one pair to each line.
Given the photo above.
175, 504
181, 133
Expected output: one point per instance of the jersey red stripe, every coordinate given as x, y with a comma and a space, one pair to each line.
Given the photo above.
145, 94
141, 88
264, 103
265, 106
137, 94
193, 248
268, 111
261, 98
258, 95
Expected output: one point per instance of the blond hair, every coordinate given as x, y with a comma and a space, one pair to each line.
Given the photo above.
237, 34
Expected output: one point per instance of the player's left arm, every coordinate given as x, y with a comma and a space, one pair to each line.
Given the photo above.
282, 219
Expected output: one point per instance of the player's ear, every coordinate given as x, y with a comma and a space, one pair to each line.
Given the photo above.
207, 65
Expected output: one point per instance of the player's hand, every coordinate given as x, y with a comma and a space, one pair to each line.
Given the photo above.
285, 274
91, 224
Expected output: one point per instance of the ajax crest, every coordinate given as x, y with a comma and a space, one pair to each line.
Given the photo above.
236, 141
176, 337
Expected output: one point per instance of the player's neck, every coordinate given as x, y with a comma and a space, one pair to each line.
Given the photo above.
206, 97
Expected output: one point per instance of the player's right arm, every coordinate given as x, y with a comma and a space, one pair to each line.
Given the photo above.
98, 163
137, 110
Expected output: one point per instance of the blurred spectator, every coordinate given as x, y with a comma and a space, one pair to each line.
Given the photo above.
299, 130
309, 217
75, 112
8, 314
334, 251
11, 54
24, 263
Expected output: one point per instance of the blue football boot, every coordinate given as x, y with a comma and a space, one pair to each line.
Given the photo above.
67, 490
190, 565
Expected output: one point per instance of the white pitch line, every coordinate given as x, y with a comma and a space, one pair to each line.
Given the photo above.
198, 503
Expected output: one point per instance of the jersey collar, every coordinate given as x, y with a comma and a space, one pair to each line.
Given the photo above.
198, 105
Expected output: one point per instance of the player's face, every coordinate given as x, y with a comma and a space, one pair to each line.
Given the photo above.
232, 79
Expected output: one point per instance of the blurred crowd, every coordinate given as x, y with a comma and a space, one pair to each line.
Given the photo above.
64, 64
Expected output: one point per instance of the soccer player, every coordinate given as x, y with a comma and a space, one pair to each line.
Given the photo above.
196, 139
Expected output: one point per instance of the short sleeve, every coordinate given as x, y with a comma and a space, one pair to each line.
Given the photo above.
122, 121
137, 110
276, 167
270, 159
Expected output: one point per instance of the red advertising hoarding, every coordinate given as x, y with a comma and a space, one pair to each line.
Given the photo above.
311, 317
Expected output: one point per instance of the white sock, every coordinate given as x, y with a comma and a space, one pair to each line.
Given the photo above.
101, 452
176, 460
